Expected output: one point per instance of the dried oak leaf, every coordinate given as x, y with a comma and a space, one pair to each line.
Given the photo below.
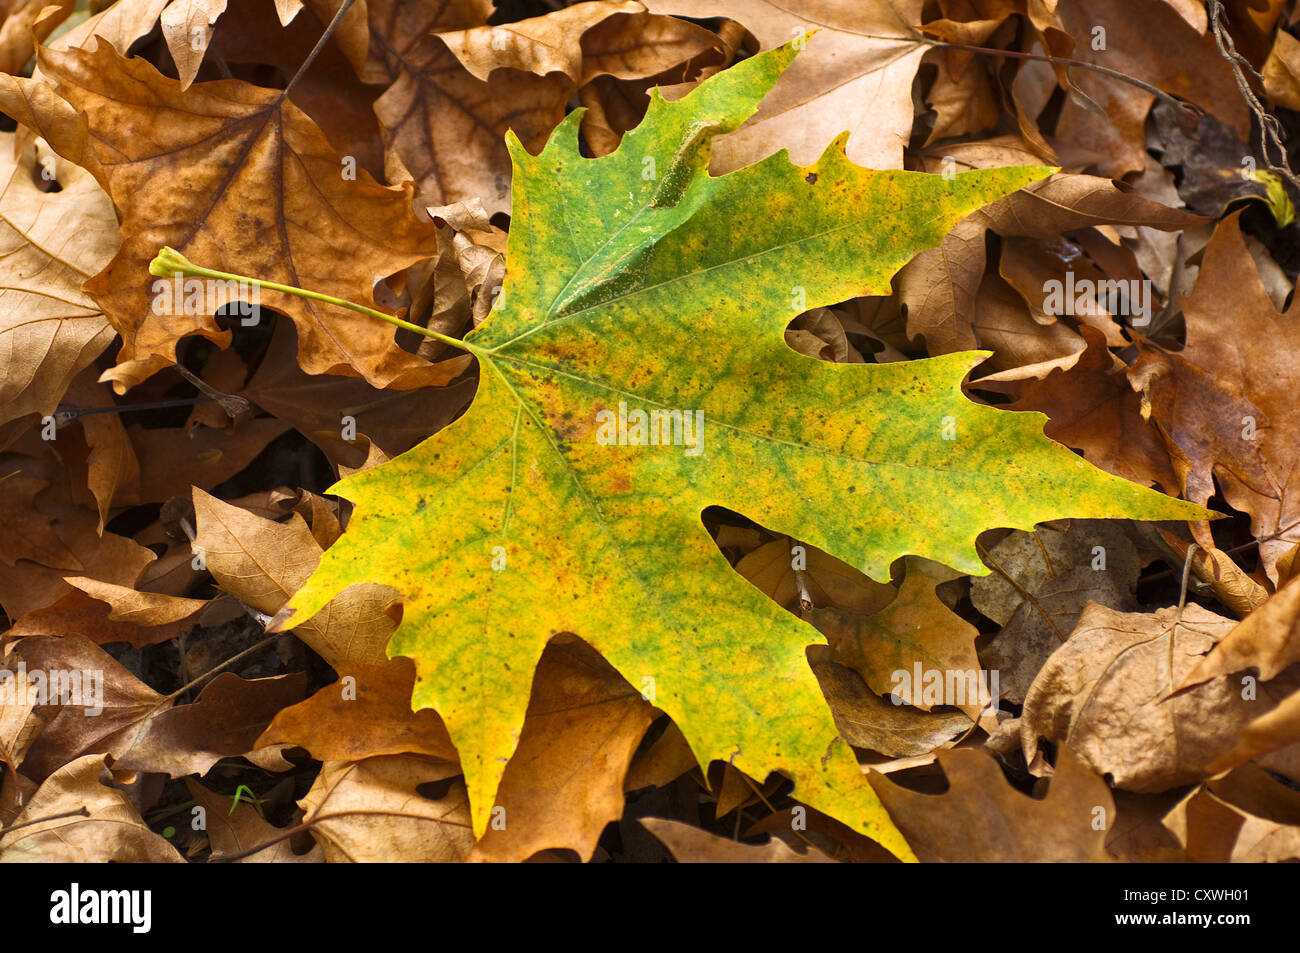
238, 177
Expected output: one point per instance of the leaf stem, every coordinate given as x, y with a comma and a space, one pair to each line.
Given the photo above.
170, 262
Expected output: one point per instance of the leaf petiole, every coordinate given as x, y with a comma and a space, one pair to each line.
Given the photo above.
170, 262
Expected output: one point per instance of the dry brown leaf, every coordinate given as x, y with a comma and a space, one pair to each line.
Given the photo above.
223, 722
263, 563
315, 405
1246, 817
982, 818
1268, 640
52, 242
856, 74
865, 720
371, 811
113, 833
445, 126
1105, 693
916, 630
939, 285
234, 828
187, 29
367, 712
1137, 835
1040, 585
1271, 731
274, 167
666, 760
1225, 403
1282, 71
27, 586
540, 45
80, 614
1149, 40
35, 19
1091, 408
795, 576
690, 845
565, 781
111, 711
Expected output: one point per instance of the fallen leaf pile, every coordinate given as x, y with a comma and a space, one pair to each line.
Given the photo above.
282, 583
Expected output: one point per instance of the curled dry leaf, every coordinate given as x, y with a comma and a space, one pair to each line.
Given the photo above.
1246, 817
1268, 640
865, 720
113, 832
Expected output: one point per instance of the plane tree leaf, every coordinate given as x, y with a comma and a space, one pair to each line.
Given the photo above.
636, 283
